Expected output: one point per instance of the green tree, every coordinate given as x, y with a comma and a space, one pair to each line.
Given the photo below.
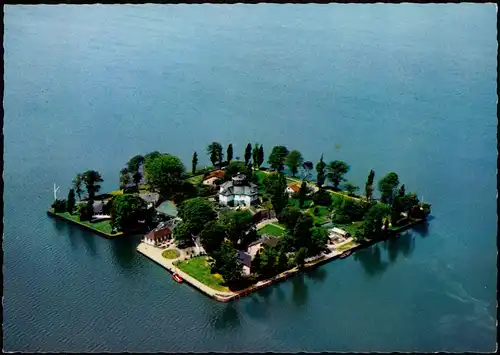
373, 220
70, 204
128, 211
255, 155
77, 183
387, 187
196, 212
134, 163
350, 188
293, 161
194, 162
59, 206
282, 261
182, 234
302, 231
164, 173
369, 186
91, 179
269, 260
322, 198
124, 178
300, 257
229, 153
277, 158
336, 171
261, 156
212, 236
237, 224
402, 191
320, 169
227, 263
302, 194
279, 196
214, 150
289, 217
248, 153
147, 158
256, 266
234, 168
86, 210
137, 178
319, 239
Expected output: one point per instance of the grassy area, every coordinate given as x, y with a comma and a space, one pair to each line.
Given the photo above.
295, 202
346, 246
116, 192
351, 227
271, 229
170, 254
195, 180
199, 268
102, 226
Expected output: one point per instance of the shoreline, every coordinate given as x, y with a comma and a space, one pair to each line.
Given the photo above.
155, 254
88, 228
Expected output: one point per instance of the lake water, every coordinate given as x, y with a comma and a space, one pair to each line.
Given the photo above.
405, 88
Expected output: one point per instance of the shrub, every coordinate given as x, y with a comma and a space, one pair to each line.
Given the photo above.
59, 206
322, 198
316, 211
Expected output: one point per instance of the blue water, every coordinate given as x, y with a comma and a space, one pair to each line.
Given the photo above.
405, 88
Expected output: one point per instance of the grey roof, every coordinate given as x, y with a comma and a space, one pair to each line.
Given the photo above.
98, 206
151, 197
250, 189
239, 177
244, 258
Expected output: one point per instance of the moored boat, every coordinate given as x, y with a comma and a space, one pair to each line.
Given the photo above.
177, 278
346, 254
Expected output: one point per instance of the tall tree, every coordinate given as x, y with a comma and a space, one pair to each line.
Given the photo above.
236, 223
402, 191
289, 217
77, 183
277, 157
91, 179
255, 155
234, 168
302, 231
212, 236
248, 153
214, 150
293, 161
70, 202
182, 234
373, 220
134, 163
260, 156
319, 239
300, 257
147, 158
164, 173
194, 163
128, 210
279, 196
369, 186
227, 263
137, 178
302, 194
196, 212
336, 171
124, 178
387, 187
229, 153
256, 266
320, 169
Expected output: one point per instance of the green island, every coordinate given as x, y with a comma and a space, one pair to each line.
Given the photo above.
234, 226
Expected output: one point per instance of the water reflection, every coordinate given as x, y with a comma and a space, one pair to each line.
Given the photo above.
225, 317
124, 251
299, 290
76, 233
371, 260
318, 274
422, 229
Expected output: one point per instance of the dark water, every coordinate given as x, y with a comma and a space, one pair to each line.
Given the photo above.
408, 88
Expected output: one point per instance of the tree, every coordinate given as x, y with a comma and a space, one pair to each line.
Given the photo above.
236, 224
371, 177
348, 210
387, 187
182, 234
276, 187
269, 260
229, 153
59, 206
137, 178
248, 153
214, 150
282, 262
256, 266
336, 171
351, 188
255, 155
320, 169
147, 158
134, 163
293, 161
234, 168
402, 191
302, 231
269, 180
124, 178
277, 157
196, 212
260, 157
289, 217
212, 236
227, 263
322, 198
373, 220
128, 211
194, 162
300, 257
306, 169
86, 210
91, 179
319, 239
70, 204
77, 183
369, 186
302, 194
164, 173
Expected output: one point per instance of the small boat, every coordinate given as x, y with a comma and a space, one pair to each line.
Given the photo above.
177, 278
346, 254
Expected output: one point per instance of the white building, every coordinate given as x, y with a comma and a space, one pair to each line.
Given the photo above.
239, 191
337, 233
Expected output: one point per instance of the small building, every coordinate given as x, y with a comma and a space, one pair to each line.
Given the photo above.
246, 256
337, 233
294, 188
239, 191
150, 198
157, 236
213, 177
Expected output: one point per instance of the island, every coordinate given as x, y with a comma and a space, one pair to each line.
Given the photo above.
236, 226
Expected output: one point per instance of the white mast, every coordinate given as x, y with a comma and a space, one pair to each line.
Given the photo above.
56, 188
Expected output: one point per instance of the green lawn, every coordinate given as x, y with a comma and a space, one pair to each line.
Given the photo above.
195, 180
170, 254
346, 246
350, 227
199, 268
271, 229
102, 226
295, 202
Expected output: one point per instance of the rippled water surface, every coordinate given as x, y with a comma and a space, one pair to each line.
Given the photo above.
405, 88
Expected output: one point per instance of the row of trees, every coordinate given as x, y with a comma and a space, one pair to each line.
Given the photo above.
216, 155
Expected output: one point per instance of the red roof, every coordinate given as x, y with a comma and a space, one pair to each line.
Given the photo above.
295, 187
217, 173
157, 234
